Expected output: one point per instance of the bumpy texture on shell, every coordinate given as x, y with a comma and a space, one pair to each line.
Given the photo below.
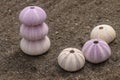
35, 47
71, 59
32, 15
34, 33
96, 51
104, 32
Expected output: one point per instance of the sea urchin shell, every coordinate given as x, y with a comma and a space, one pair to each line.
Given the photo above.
96, 51
71, 59
104, 32
35, 47
32, 15
34, 33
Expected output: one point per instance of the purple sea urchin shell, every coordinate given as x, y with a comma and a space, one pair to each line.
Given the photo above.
32, 15
96, 51
35, 32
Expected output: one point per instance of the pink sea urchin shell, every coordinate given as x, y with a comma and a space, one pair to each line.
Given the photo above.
34, 33
96, 51
32, 15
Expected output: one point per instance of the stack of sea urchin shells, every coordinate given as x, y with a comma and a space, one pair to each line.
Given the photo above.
34, 31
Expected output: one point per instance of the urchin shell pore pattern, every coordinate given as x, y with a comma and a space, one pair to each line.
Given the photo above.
71, 59
96, 51
104, 32
35, 47
35, 32
32, 15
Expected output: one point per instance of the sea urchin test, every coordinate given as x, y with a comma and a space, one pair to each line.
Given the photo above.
71, 59
35, 47
34, 31
96, 51
104, 32
32, 15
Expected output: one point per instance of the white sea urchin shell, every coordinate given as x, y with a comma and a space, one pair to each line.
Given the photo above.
104, 32
71, 59
35, 47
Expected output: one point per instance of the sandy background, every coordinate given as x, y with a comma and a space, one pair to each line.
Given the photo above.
70, 23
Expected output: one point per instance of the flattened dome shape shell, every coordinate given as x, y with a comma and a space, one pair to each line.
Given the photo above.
104, 32
71, 59
32, 15
96, 52
35, 47
34, 33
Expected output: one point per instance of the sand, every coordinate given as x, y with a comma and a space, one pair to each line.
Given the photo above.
70, 23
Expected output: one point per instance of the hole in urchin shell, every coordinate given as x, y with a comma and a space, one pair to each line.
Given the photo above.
32, 7
96, 42
72, 51
101, 27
